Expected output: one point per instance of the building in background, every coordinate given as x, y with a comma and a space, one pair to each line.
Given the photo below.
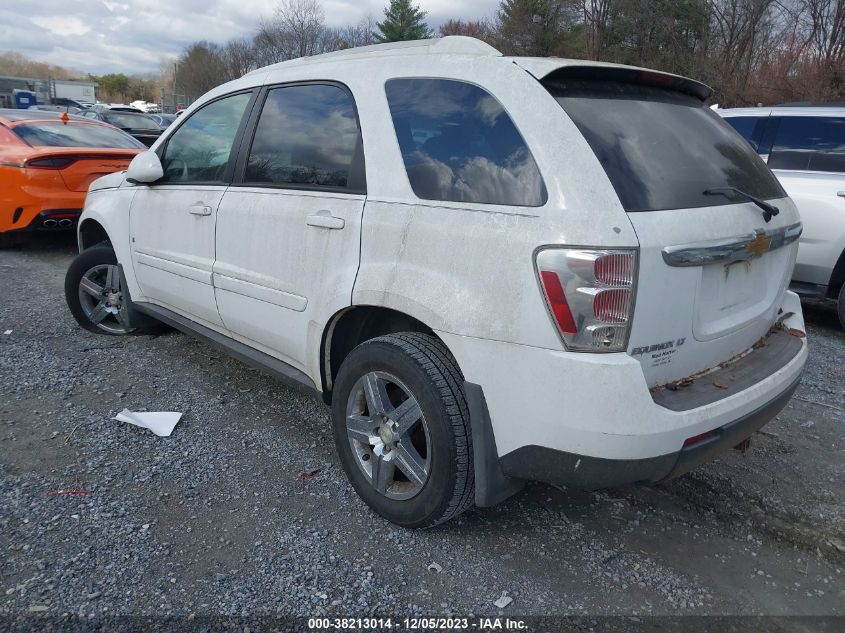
45, 90
10, 86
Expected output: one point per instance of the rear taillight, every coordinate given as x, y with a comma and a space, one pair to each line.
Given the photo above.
590, 295
56, 162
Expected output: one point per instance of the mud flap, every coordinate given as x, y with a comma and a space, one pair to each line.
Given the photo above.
491, 484
136, 318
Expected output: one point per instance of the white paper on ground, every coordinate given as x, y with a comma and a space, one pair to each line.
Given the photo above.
161, 423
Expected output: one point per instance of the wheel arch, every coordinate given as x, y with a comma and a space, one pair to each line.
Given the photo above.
837, 277
354, 325
90, 233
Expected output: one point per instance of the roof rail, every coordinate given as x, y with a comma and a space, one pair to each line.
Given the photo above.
450, 45
810, 104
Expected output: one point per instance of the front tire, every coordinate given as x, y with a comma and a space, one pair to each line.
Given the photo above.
840, 306
95, 294
402, 429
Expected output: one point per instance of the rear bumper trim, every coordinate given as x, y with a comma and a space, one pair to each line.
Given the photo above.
539, 463
771, 353
735, 249
58, 220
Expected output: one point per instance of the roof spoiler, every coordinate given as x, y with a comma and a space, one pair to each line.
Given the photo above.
578, 69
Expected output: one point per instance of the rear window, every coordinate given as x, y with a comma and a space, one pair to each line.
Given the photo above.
661, 148
58, 134
458, 144
809, 144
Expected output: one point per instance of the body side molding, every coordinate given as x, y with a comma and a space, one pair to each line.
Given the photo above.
273, 366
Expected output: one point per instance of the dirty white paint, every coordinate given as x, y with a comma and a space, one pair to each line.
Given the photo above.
255, 270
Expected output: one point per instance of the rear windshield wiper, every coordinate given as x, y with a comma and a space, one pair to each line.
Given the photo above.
769, 210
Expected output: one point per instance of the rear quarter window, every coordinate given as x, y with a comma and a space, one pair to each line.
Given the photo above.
661, 149
458, 144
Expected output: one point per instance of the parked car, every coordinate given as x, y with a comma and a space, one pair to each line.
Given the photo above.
147, 107
63, 101
56, 108
494, 269
117, 107
138, 125
805, 147
164, 120
47, 161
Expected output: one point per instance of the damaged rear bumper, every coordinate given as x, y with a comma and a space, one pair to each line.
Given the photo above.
540, 463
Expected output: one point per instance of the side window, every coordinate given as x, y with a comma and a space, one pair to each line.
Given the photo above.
198, 152
458, 144
747, 126
809, 144
307, 136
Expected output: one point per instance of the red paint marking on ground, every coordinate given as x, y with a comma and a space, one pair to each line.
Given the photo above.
303, 477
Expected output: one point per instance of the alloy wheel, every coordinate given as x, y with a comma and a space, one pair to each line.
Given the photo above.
101, 298
389, 435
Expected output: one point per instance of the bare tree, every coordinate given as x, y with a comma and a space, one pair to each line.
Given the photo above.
479, 29
297, 29
535, 27
355, 35
239, 58
200, 68
596, 18
827, 29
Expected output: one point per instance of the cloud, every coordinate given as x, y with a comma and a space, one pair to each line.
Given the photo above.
137, 36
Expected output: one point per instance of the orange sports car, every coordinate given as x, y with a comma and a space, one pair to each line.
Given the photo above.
47, 161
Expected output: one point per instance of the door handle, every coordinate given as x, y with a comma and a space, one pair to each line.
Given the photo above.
841, 194
325, 220
199, 209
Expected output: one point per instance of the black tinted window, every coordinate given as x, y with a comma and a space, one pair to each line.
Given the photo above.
660, 148
126, 120
746, 126
458, 144
809, 144
199, 150
59, 134
306, 135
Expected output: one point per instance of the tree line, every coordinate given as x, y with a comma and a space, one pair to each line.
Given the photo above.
749, 51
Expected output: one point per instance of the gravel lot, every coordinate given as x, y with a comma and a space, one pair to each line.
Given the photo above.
222, 518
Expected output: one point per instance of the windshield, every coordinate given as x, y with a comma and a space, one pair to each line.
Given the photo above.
133, 121
58, 134
661, 148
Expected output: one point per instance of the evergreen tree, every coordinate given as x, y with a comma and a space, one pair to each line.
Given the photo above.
402, 21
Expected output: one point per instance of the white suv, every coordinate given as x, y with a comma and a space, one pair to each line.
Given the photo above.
494, 269
805, 148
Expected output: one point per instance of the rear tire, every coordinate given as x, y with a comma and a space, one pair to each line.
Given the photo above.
402, 429
840, 306
95, 294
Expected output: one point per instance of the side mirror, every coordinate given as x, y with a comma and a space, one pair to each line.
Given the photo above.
145, 168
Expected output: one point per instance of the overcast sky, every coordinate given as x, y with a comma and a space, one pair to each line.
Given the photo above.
134, 36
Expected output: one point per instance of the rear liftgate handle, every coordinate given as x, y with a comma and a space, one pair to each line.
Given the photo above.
325, 220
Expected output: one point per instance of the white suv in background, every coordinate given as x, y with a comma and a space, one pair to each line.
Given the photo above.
494, 269
805, 147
